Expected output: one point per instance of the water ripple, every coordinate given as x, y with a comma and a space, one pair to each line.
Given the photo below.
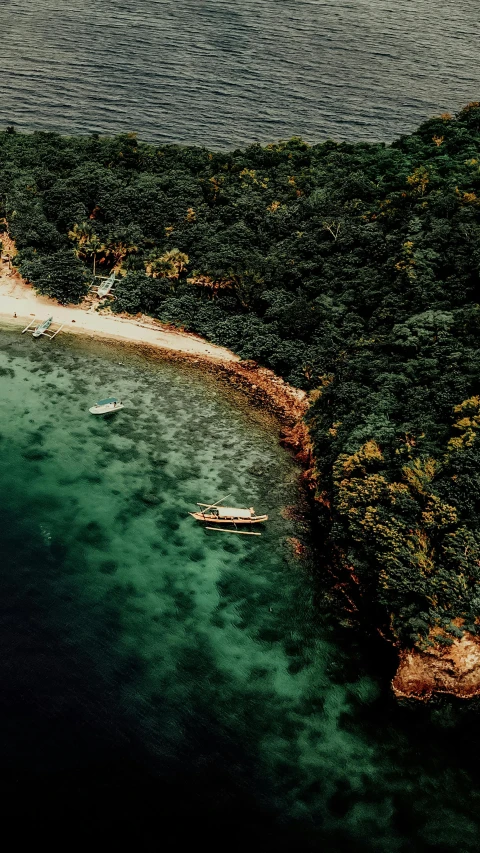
229, 72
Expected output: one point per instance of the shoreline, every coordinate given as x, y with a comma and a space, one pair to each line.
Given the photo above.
262, 388
418, 676
19, 304
18, 301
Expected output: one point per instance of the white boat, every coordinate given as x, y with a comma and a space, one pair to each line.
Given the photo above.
105, 288
106, 407
43, 327
221, 515
226, 514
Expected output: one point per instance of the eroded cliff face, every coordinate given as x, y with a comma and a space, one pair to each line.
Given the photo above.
453, 669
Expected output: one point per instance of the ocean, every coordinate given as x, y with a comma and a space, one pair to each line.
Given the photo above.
162, 685
225, 73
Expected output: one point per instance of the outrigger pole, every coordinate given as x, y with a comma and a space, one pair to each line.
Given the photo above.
206, 507
29, 326
240, 532
210, 506
47, 333
51, 337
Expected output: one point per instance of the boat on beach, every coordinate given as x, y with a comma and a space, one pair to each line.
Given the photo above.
106, 407
221, 515
105, 288
42, 327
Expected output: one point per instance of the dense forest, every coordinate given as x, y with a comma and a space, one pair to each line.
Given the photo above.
351, 270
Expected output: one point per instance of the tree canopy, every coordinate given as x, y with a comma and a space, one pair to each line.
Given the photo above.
352, 270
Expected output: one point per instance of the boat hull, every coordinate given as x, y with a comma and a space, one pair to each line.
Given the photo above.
39, 331
110, 409
214, 519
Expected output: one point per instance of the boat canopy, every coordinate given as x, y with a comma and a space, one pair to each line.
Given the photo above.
233, 512
104, 402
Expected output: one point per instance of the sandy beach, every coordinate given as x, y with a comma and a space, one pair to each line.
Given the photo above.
19, 302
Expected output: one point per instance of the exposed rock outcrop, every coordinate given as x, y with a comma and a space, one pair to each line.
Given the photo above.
453, 669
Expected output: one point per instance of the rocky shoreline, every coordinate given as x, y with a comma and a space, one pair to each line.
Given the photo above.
453, 669
449, 669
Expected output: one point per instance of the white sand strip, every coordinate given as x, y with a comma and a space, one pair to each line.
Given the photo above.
19, 301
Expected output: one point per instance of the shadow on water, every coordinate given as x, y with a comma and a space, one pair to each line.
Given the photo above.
161, 686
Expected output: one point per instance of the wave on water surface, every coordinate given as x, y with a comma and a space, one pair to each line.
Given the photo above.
219, 73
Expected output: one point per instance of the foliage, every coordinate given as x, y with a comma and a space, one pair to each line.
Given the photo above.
59, 275
352, 270
137, 293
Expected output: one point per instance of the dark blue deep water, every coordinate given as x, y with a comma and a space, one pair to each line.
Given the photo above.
228, 72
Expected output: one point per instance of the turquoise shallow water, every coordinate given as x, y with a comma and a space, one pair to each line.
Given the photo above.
161, 682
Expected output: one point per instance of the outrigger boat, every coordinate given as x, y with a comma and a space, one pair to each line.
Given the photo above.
216, 514
42, 328
106, 407
105, 288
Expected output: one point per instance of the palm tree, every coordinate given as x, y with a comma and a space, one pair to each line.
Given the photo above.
171, 264
80, 234
87, 243
120, 249
94, 247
